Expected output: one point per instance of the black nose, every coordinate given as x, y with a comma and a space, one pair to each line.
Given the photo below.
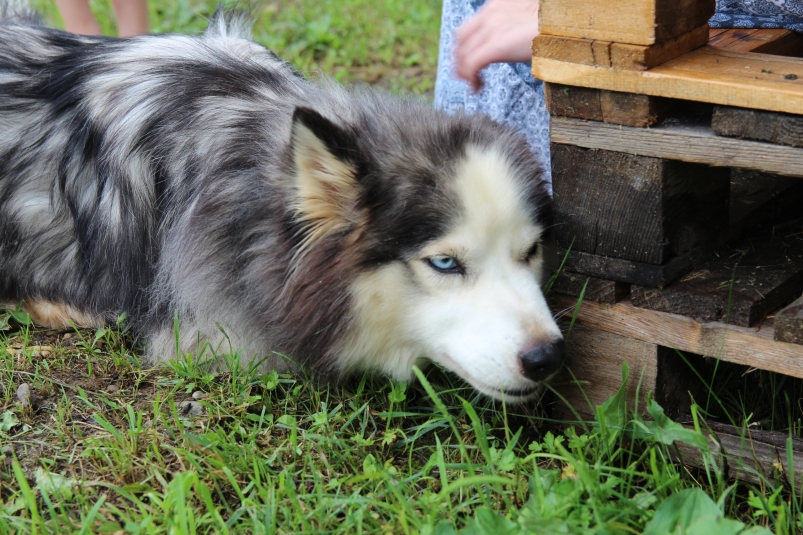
541, 361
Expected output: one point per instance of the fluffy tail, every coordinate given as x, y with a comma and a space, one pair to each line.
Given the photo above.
230, 23
18, 12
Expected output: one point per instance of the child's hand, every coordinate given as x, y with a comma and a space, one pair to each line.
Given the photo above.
501, 31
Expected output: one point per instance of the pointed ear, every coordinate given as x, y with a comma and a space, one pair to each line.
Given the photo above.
326, 170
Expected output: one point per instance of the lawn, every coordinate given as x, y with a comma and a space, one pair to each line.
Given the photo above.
93, 441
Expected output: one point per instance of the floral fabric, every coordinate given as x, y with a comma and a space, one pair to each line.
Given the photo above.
510, 95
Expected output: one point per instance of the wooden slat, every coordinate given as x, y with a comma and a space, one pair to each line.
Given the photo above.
765, 41
754, 456
617, 55
608, 106
689, 143
740, 345
638, 22
708, 74
596, 289
789, 323
777, 128
744, 281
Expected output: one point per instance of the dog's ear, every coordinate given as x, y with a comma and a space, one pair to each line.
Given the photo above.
327, 162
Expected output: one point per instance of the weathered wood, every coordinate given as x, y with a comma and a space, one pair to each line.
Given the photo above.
687, 142
780, 128
593, 373
740, 285
638, 22
740, 345
609, 106
748, 455
708, 74
789, 323
636, 208
628, 271
765, 41
770, 200
617, 55
596, 289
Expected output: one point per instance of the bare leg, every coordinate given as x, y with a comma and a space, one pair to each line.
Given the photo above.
77, 16
132, 17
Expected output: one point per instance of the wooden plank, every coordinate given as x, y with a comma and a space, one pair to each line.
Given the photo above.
789, 323
708, 74
741, 284
596, 289
656, 276
740, 345
748, 455
688, 143
780, 128
636, 208
638, 22
765, 41
609, 106
617, 55
593, 373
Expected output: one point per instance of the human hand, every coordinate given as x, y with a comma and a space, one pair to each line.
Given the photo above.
501, 31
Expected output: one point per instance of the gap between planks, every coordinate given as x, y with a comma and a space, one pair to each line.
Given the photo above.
688, 143
740, 345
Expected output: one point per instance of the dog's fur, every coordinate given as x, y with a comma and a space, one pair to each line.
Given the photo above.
202, 178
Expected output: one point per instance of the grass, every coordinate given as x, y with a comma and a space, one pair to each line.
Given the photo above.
393, 43
110, 446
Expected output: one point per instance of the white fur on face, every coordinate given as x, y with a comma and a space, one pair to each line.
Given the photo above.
475, 324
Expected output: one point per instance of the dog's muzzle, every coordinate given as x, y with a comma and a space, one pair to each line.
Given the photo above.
540, 362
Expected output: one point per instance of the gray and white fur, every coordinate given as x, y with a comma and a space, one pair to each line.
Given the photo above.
203, 178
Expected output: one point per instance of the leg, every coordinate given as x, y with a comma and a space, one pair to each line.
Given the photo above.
132, 17
77, 16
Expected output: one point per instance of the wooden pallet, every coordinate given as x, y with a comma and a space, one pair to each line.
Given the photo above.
642, 109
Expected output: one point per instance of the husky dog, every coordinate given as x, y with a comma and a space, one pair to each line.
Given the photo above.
202, 178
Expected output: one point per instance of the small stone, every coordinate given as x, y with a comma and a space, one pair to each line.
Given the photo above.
67, 336
147, 424
197, 395
190, 408
24, 394
45, 353
111, 389
8, 449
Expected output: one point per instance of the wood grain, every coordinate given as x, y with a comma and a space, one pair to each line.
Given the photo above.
740, 345
708, 74
789, 323
742, 283
596, 289
765, 41
617, 55
593, 373
748, 455
593, 370
689, 143
638, 22
637, 208
608, 106
779, 128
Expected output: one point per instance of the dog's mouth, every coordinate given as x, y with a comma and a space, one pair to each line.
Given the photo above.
512, 395
521, 392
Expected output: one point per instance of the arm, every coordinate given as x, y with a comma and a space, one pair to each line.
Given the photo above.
501, 31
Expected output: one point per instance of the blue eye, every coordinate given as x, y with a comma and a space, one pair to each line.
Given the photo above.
445, 264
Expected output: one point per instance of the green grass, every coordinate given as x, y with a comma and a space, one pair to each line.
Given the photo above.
108, 446
277, 453
393, 43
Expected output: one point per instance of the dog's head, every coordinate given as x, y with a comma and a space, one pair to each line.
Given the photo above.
443, 220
